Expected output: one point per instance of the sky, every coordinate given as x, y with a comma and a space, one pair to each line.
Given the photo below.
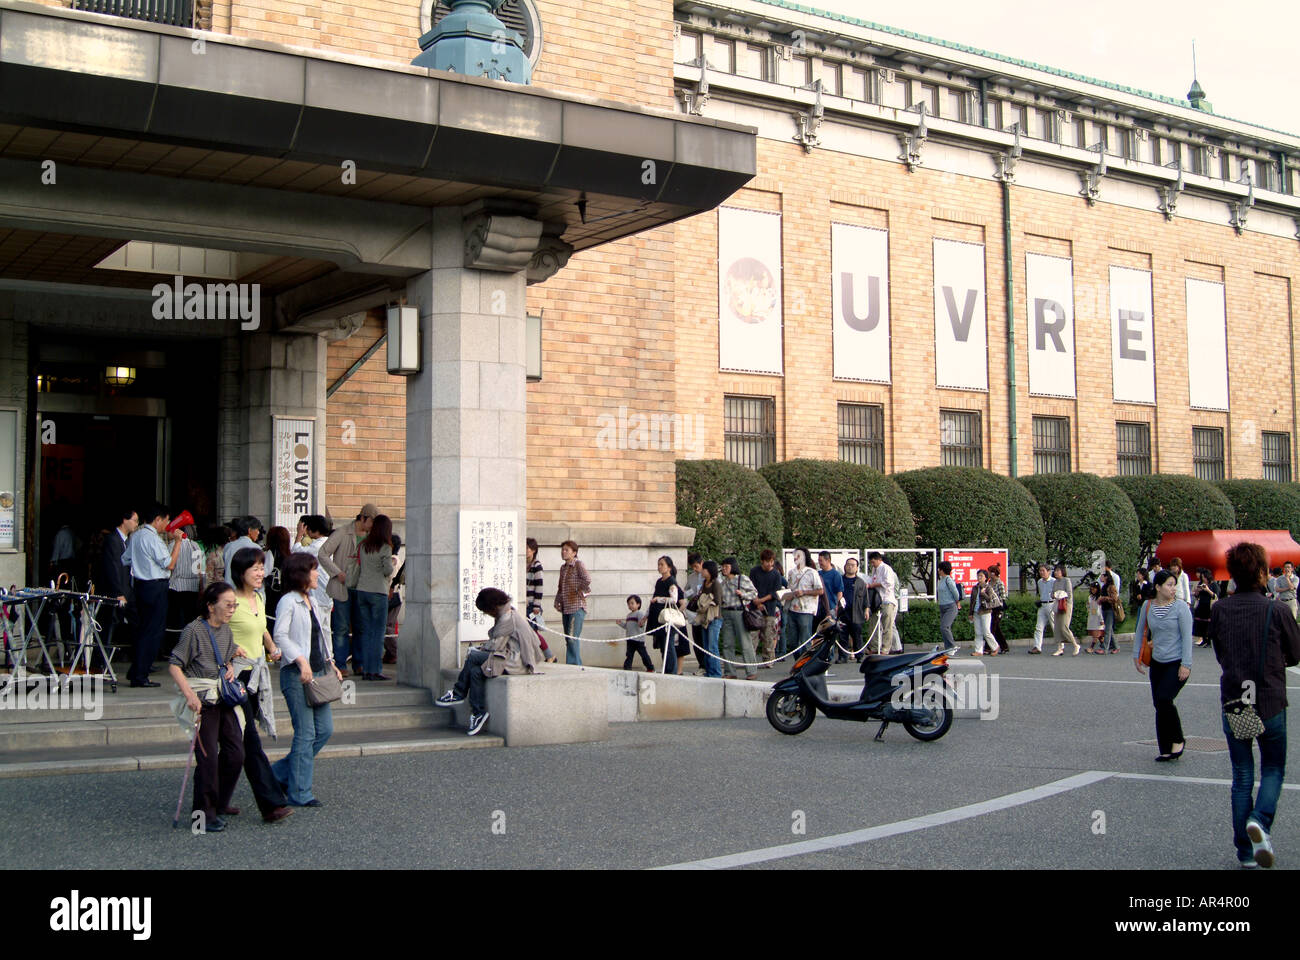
1245, 53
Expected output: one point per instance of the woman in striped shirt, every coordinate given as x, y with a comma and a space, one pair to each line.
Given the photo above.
1168, 622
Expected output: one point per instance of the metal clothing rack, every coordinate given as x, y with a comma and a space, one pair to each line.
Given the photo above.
37, 614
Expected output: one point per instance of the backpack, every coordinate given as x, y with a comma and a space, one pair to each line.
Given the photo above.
961, 590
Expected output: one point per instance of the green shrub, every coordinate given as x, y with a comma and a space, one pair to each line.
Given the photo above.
1264, 504
731, 507
1174, 503
831, 504
1081, 513
970, 507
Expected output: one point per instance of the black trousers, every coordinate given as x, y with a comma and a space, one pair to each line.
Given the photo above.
216, 773
995, 627
633, 648
182, 609
1165, 686
267, 791
151, 600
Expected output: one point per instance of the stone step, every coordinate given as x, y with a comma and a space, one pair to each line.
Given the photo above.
125, 733
81, 760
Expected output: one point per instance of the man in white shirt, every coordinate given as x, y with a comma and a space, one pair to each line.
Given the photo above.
884, 579
151, 564
316, 532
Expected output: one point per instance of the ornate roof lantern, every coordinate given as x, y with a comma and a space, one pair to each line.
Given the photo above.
472, 41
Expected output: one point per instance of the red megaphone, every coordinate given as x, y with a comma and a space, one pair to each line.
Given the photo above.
182, 519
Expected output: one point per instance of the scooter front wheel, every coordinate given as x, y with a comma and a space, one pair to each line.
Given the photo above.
789, 714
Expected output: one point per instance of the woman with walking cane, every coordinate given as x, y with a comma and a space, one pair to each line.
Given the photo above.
202, 654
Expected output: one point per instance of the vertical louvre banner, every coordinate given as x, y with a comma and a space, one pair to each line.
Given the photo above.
749, 291
1132, 336
960, 322
860, 301
1049, 290
292, 469
1207, 345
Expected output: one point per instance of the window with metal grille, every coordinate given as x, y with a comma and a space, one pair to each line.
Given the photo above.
862, 434
1051, 445
176, 13
960, 440
749, 430
1207, 452
1277, 457
1132, 449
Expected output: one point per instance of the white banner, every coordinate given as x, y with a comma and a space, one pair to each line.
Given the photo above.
489, 543
1132, 336
293, 472
960, 325
1049, 291
1207, 345
860, 301
749, 291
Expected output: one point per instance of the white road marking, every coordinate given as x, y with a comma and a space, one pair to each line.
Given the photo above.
1207, 780
1144, 683
893, 829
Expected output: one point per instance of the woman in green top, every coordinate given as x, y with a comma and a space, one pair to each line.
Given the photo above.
375, 563
248, 625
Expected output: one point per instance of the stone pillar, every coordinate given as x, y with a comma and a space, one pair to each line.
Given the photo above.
465, 418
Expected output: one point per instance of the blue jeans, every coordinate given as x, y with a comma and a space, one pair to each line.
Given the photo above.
712, 665
312, 727
340, 627
1272, 766
1108, 619
371, 615
801, 628
573, 628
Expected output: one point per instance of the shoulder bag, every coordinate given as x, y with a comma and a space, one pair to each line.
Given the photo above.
1144, 655
231, 692
325, 686
1241, 716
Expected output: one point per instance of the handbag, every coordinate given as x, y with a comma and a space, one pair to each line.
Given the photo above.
1144, 655
1240, 714
232, 692
325, 687
754, 616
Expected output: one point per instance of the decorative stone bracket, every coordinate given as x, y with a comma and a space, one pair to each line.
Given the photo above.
1006, 161
345, 327
694, 98
1092, 178
1240, 209
809, 123
1169, 194
552, 254
913, 141
500, 241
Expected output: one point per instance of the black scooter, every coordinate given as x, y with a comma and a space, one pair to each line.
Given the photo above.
920, 700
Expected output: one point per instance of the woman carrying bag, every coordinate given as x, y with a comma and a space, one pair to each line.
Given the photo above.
1255, 640
309, 679
1164, 641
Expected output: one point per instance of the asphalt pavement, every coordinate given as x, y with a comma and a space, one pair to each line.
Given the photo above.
1059, 779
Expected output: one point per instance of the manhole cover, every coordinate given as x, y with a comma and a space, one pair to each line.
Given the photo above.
1196, 744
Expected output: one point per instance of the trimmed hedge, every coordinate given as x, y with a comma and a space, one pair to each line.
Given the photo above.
1264, 504
1081, 513
1174, 503
832, 504
970, 507
731, 507
921, 622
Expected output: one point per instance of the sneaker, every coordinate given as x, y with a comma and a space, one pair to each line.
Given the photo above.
1261, 845
476, 721
449, 699
216, 825
1247, 864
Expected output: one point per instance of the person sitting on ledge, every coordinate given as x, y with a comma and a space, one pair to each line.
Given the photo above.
511, 647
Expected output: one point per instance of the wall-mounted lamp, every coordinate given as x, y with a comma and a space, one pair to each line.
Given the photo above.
534, 351
403, 341
119, 376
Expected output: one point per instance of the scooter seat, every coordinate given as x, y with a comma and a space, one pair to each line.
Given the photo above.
877, 663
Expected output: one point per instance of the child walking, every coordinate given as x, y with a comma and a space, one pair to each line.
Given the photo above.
633, 624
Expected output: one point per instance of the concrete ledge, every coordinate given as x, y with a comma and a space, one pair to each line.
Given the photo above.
670, 697
562, 704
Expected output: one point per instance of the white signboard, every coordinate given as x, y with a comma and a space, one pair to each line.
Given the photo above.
1207, 345
860, 301
1132, 336
960, 324
837, 558
293, 474
1049, 290
749, 291
8, 479
489, 543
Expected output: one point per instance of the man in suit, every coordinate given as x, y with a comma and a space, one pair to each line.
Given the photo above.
113, 580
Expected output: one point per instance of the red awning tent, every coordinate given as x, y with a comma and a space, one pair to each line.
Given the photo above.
1209, 548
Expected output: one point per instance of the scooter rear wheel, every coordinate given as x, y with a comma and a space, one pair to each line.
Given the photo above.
788, 713
940, 721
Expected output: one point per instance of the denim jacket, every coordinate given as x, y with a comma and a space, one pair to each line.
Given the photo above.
293, 628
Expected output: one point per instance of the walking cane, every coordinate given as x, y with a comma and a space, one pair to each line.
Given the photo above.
184, 783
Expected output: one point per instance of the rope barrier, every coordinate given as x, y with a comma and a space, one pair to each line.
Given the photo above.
714, 656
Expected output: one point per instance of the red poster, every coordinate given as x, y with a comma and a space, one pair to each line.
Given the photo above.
966, 562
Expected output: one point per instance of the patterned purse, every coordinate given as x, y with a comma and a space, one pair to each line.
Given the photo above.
1242, 717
